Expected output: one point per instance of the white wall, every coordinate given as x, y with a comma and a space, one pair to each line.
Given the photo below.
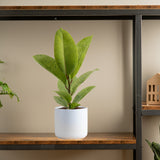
110, 104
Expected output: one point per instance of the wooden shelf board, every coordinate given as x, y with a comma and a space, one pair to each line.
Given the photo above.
49, 138
150, 107
98, 7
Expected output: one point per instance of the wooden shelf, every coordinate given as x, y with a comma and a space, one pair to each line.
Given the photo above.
150, 107
49, 138
150, 110
92, 7
49, 141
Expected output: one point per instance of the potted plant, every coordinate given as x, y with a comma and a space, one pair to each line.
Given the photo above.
5, 90
155, 147
71, 119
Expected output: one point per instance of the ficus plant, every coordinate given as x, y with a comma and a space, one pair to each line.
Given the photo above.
68, 58
5, 90
155, 147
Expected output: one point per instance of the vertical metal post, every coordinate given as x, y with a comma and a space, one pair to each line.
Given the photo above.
137, 23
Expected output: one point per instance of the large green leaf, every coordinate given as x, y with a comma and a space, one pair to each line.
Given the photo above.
64, 95
61, 86
59, 50
61, 101
82, 46
65, 51
50, 64
82, 93
77, 82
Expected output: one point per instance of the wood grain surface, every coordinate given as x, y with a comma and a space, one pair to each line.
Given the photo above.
49, 138
150, 107
103, 7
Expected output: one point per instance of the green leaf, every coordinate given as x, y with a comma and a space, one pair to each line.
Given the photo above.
59, 50
156, 146
5, 87
64, 95
1, 104
7, 91
149, 143
77, 82
65, 51
50, 64
61, 86
82, 46
82, 93
74, 105
156, 156
1, 61
61, 101
14, 94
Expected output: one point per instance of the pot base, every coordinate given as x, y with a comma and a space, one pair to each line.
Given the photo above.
71, 137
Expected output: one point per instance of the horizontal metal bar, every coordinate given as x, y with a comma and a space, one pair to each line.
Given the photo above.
12, 13
151, 17
69, 147
19, 18
118, 12
150, 112
78, 14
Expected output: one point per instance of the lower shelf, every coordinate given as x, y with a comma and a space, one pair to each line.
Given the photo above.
48, 141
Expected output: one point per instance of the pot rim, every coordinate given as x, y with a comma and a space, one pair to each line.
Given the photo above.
73, 110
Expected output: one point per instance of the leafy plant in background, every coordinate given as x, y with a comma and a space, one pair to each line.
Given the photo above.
155, 147
5, 90
65, 66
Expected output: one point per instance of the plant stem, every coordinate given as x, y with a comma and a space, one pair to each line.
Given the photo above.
69, 89
69, 85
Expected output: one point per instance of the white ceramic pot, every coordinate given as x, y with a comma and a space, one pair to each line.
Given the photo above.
71, 123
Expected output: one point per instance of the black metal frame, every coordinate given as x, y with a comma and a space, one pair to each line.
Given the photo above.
136, 15
137, 22
77, 14
69, 147
150, 112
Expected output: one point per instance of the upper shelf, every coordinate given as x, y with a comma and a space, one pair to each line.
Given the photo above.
84, 7
49, 141
78, 12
